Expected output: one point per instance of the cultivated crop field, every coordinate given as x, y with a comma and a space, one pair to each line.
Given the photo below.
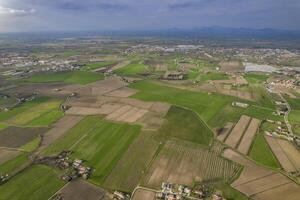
132, 69
183, 163
42, 114
204, 104
75, 77
35, 183
127, 173
100, 143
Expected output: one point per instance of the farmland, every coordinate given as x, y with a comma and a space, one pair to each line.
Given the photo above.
132, 69
35, 183
100, 137
75, 77
261, 152
206, 105
97, 65
186, 125
178, 157
105, 117
127, 173
39, 114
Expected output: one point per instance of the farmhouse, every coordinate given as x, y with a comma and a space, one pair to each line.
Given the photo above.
174, 76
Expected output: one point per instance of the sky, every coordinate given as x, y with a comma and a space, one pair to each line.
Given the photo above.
86, 15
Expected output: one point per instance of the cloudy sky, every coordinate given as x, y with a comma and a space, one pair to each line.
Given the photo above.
61, 15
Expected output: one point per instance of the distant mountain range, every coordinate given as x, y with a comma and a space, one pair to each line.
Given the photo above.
214, 32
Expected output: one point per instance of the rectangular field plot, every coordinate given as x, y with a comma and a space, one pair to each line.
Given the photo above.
35, 183
287, 155
184, 162
246, 141
79, 190
15, 137
128, 171
39, 111
100, 143
204, 104
237, 132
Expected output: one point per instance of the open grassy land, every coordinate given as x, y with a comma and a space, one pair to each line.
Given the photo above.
127, 173
294, 118
12, 165
97, 65
100, 143
262, 113
186, 125
204, 104
35, 183
132, 69
76, 77
23, 107
254, 78
261, 153
40, 114
294, 103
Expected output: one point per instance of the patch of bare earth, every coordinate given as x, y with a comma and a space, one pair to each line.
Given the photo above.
184, 162
15, 137
248, 137
232, 66
225, 131
287, 155
260, 183
237, 132
79, 190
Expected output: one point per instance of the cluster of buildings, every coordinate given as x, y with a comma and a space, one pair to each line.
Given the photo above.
170, 191
117, 195
22, 65
74, 168
240, 104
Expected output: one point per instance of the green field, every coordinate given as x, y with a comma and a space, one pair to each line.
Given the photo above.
132, 69
127, 173
253, 78
22, 108
14, 164
47, 118
37, 115
294, 118
75, 77
97, 65
100, 143
204, 104
35, 183
186, 125
261, 153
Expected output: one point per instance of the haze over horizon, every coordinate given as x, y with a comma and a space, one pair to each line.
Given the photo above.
77, 15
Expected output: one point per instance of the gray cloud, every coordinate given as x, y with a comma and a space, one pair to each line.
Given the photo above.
146, 14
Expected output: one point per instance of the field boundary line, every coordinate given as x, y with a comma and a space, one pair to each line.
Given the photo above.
60, 189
